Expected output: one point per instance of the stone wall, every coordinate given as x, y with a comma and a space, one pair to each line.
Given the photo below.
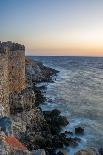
12, 72
4, 83
22, 101
16, 68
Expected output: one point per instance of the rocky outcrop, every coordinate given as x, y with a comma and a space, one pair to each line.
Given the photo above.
37, 72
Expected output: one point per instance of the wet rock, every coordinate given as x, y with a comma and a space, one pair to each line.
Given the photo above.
55, 121
69, 132
60, 153
55, 113
101, 151
39, 97
71, 142
79, 130
88, 151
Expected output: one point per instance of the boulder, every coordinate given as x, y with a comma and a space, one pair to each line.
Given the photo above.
79, 130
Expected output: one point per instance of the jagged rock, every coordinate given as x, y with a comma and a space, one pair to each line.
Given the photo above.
68, 132
39, 97
37, 72
88, 151
54, 120
79, 130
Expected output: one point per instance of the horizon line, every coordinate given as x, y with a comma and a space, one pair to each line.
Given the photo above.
65, 56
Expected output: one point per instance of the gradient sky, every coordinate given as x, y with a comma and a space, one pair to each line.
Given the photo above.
54, 27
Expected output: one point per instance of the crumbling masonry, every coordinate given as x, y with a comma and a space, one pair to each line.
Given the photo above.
12, 73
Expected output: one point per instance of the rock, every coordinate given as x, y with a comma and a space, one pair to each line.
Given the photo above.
69, 132
55, 113
39, 97
39, 72
57, 143
60, 153
55, 120
88, 151
101, 151
79, 130
70, 142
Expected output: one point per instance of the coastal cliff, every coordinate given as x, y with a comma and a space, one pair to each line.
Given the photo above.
24, 127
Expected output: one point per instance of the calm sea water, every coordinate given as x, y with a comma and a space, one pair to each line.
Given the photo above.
78, 93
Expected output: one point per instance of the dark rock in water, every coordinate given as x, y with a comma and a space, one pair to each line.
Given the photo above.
79, 130
60, 153
70, 142
55, 113
42, 87
55, 121
101, 151
39, 97
62, 121
69, 132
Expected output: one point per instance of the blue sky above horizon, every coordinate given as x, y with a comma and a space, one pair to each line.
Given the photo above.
54, 27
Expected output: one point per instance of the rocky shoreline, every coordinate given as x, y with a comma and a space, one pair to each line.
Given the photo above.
36, 129
47, 133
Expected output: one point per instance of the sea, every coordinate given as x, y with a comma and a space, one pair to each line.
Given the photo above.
78, 94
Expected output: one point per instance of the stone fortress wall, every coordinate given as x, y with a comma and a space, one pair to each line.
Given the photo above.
4, 83
12, 71
16, 68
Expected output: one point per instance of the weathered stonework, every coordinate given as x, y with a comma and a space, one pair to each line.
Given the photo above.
16, 68
22, 101
12, 71
4, 82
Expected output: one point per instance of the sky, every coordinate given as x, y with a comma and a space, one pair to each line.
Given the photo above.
54, 27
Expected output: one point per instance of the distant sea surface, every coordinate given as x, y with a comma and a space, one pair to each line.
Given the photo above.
78, 93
